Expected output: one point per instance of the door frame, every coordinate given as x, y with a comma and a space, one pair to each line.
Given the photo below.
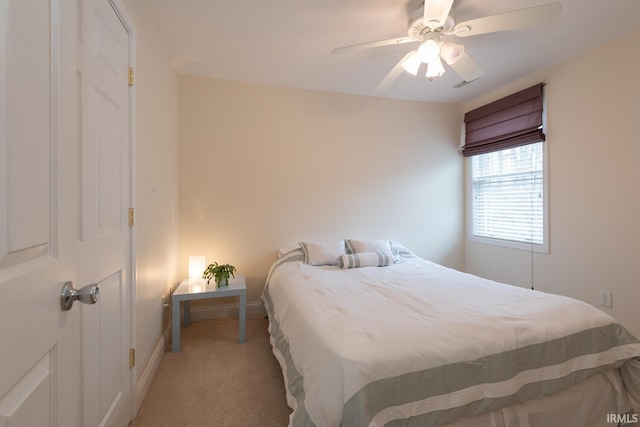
129, 26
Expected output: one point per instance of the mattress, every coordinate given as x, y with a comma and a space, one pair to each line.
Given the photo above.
415, 343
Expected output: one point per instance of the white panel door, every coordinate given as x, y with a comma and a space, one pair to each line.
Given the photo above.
64, 195
39, 351
105, 235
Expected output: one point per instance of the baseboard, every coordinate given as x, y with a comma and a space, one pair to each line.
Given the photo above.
151, 368
254, 309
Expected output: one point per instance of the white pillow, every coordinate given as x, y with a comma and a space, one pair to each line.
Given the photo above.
401, 253
364, 259
323, 253
358, 246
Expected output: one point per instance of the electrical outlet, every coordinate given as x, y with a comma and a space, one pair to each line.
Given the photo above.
605, 298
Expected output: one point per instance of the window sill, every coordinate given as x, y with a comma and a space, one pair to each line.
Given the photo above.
521, 246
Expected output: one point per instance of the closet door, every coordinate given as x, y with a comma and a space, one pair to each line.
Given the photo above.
39, 377
65, 193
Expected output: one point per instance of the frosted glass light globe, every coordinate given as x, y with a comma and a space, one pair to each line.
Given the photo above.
428, 51
435, 69
451, 52
411, 64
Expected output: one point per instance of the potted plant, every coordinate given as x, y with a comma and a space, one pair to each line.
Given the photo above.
220, 273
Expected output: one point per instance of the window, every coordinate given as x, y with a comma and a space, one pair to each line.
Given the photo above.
508, 205
504, 140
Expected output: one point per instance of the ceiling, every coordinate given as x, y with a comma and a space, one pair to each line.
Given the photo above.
289, 42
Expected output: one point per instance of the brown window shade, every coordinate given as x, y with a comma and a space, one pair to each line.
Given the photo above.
509, 122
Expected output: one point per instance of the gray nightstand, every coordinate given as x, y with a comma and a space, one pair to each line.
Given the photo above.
189, 291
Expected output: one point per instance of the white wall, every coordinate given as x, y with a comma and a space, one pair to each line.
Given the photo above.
594, 170
262, 167
156, 189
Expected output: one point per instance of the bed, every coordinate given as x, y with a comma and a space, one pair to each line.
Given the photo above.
363, 340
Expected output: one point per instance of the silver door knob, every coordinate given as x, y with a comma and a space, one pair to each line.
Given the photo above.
88, 294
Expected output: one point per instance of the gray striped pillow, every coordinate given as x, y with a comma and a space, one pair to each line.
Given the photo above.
360, 246
323, 253
364, 259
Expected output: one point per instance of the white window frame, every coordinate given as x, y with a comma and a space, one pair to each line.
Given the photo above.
529, 247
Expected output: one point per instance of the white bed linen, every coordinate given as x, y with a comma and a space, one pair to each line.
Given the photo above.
349, 328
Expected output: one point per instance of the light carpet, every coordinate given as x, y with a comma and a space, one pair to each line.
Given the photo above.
214, 381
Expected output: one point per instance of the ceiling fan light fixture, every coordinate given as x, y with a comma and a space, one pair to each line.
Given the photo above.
412, 63
428, 51
451, 52
435, 69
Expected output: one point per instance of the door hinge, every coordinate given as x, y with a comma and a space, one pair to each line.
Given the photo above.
130, 76
132, 357
132, 217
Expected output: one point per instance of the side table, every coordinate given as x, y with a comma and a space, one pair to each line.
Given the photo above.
189, 291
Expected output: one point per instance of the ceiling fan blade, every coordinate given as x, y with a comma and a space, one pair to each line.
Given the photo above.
436, 12
467, 68
391, 76
373, 44
523, 18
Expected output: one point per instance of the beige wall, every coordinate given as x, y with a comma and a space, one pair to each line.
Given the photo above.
594, 171
263, 167
156, 184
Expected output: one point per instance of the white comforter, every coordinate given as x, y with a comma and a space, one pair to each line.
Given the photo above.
349, 339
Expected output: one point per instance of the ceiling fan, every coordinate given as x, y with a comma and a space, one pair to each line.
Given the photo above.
432, 26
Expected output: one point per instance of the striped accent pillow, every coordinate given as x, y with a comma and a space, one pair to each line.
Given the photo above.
323, 253
359, 246
364, 259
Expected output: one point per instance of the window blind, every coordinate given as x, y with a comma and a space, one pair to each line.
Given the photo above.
512, 121
508, 199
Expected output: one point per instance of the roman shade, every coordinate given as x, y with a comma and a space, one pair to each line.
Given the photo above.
509, 122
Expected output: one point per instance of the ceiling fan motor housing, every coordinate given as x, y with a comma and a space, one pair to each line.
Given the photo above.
419, 30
